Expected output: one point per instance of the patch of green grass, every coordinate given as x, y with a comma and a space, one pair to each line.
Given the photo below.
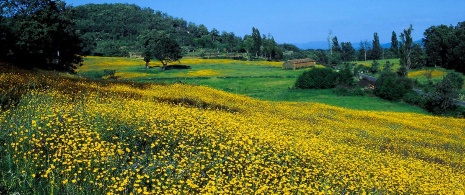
394, 61
280, 89
258, 79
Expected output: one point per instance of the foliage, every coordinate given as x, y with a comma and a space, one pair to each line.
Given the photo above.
271, 50
42, 35
317, 78
405, 50
257, 41
376, 52
162, 47
113, 29
394, 44
442, 98
81, 137
392, 87
346, 76
418, 57
445, 46
348, 52
374, 67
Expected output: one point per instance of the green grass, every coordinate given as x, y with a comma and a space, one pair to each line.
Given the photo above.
280, 89
394, 61
256, 79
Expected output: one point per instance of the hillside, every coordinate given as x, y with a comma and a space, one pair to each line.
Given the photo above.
116, 29
69, 135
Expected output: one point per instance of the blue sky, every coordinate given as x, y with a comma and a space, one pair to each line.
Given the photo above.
300, 21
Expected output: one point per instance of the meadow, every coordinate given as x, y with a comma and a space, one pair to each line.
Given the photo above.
67, 135
258, 79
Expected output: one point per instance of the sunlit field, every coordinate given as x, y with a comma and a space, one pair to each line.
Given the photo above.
73, 136
258, 79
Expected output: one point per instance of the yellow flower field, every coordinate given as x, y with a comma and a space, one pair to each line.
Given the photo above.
424, 73
72, 136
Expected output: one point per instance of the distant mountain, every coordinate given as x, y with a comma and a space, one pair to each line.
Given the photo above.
324, 45
312, 45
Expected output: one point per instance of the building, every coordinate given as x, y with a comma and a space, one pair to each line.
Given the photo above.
299, 63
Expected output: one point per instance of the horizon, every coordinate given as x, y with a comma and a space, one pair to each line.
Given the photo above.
297, 23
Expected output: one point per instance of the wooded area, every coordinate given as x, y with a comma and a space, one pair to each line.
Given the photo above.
49, 34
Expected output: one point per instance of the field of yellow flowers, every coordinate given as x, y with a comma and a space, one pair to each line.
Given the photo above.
64, 135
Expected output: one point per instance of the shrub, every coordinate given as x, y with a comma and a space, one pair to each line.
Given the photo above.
345, 76
414, 98
317, 78
442, 98
391, 87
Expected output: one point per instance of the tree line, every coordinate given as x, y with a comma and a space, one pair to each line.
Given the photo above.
50, 34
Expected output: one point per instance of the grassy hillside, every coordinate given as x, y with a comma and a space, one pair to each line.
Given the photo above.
258, 79
68, 135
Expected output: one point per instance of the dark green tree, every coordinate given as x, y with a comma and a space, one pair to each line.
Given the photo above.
442, 98
374, 67
348, 52
394, 44
336, 46
445, 46
162, 47
405, 49
148, 42
392, 87
377, 51
257, 42
317, 78
418, 56
437, 42
44, 35
167, 50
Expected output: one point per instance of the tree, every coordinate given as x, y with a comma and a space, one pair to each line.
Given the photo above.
364, 51
317, 78
348, 52
377, 51
391, 87
442, 98
148, 42
445, 46
394, 44
406, 49
161, 46
167, 50
248, 45
336, 47
257, 41
44, 34
330, 42
374, 67
418, 56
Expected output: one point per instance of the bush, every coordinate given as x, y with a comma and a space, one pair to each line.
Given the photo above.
317, 78
391, 87
345, 76
414, 98
442, 98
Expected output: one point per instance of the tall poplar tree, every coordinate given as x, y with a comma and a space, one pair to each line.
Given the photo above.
257, 41
376, 53
405, 50
394, 44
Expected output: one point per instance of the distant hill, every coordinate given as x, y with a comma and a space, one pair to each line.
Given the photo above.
312, 45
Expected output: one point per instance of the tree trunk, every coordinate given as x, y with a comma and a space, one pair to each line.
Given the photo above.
147, 65
163, 67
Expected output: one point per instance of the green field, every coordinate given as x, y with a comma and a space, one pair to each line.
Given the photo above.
258, 79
